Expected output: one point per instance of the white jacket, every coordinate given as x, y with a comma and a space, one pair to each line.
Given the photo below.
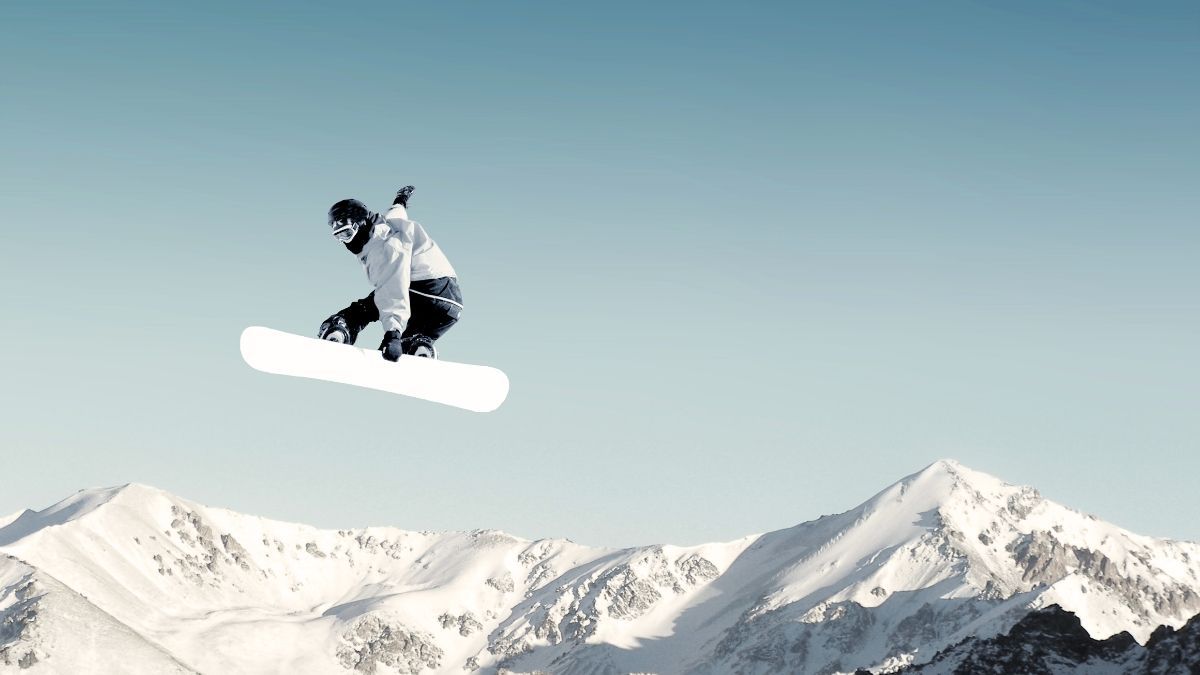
398, 253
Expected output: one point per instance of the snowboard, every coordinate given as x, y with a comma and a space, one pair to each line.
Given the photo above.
476, 388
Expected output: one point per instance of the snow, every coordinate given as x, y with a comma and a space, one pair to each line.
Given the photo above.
943, 554
64, 511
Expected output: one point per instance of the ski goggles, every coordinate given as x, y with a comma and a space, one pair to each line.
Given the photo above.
344, 230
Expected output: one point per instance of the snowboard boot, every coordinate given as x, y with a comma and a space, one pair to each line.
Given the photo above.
419, 345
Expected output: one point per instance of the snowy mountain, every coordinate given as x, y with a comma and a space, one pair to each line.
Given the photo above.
1051, 641
133, 579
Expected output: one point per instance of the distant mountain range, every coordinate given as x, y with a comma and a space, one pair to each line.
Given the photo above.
947, 562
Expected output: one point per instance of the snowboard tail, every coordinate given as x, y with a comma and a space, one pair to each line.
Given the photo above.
475, 388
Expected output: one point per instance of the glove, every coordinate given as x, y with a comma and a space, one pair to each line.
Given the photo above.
402, 196
336, 329
392, 346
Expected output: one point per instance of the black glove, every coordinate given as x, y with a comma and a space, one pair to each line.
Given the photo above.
349, 321
402, 196
392, 346
336, 329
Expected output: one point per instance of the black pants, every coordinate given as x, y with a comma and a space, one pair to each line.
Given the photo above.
436, 305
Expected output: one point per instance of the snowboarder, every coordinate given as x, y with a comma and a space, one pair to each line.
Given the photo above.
416, 294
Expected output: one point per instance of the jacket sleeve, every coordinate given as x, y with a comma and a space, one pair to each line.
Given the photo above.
391, 290
360, 313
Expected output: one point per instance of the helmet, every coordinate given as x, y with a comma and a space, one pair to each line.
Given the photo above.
346, 217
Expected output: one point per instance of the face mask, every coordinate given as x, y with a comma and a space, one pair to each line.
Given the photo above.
344, 230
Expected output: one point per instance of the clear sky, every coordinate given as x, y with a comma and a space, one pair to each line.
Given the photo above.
744, 263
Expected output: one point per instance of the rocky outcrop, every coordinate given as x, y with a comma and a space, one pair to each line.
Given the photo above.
1044, 559
1052, 641
18, 625
466, 624
204, 553
1174, 651
375, 641
502, 583
616, 591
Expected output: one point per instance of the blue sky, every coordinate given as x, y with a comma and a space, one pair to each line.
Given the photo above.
744, 264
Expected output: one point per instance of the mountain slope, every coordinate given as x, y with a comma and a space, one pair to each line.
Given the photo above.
940, 556
47, 628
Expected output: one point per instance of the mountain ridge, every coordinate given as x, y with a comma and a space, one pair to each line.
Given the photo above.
943, 554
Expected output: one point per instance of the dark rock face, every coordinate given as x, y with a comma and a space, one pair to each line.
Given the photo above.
1175, 651
1052, 641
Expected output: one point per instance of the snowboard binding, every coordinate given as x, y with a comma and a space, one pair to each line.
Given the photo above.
419, 345
336, 329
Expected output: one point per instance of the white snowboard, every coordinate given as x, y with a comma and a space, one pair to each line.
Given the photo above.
477, 388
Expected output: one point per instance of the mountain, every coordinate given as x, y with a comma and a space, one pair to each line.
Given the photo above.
1052, 641
42, 622
145, 581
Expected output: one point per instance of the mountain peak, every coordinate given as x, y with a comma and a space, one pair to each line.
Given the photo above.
76, 506
139, 492
959, 474
945, 464
946, 486
80, 505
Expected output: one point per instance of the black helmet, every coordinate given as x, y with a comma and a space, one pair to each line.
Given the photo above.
347, 218
349, 211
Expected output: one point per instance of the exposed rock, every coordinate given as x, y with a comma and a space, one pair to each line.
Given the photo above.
235, 550
1044, 559
628, 596
1052, 640
1171, 651
202, 564
502, 583
371, 544
540, 575
465, 623
696, 570
19, 640
534, 554
374, 640
508, 648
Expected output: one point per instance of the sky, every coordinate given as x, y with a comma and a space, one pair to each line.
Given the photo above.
744, 264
